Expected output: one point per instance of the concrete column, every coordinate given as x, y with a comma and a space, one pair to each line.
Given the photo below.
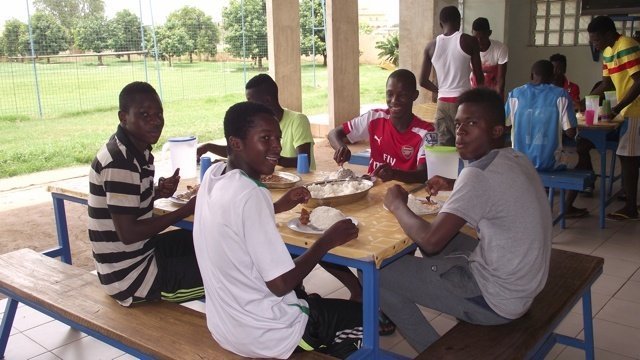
342, 60
417, 23
283, 29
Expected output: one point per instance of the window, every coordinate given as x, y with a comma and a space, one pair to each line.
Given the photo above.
558, 23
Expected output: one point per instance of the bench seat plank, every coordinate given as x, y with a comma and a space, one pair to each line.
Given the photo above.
570, 274
161, 329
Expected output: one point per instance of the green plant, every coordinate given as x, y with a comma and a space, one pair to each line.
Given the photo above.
389, 49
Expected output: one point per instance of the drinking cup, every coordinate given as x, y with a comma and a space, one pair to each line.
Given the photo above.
303, 164
589, 116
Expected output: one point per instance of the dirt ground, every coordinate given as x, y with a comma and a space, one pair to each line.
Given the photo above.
26, 211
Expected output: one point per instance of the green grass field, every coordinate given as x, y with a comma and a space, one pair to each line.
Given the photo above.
80, 100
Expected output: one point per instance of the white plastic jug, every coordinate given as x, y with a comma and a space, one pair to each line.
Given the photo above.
183, 155
443, 161
592, 102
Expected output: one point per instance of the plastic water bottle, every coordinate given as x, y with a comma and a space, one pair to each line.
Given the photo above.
205, 162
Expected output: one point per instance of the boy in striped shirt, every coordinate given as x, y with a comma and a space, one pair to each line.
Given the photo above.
134, 261
621, 68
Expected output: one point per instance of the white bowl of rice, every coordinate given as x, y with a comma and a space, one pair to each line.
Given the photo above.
337, 192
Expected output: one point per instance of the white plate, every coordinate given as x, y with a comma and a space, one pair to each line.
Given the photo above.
423, 209
177, 201
294, 224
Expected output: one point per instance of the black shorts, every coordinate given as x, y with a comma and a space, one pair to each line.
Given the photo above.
178, 278
334, 327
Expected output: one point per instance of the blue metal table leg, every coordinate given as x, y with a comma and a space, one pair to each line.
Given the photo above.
7, 323
370, 307
589, 350
61, 229
561, 211
603, 182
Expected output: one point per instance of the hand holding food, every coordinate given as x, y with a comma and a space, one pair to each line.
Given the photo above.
384, 172
396, 196
340, 233
167, 186
187, 195
439, 183
293, 197
342, 155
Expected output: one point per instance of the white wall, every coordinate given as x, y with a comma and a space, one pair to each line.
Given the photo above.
581, 69
494, 10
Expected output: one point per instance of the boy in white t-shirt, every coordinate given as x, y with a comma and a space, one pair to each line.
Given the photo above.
247, 271
494, 56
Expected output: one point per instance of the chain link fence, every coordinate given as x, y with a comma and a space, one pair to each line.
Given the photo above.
57, 60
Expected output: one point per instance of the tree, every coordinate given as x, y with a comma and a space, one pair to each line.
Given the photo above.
93, 33
255, 29
15, 32
125, 32
68, 12
49, 37
389, 49
312, 39
173, 42
201, 30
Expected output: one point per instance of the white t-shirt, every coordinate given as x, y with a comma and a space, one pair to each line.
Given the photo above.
513, 221
239, 249
496, 54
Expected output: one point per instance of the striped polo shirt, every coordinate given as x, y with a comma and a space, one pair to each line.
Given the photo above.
121, 182
619, 62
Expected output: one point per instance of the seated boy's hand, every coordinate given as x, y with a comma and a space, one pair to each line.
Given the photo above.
293, 197
202, 149
340, 233
439, 183
384, 172
168, 186
342, 155
396, 196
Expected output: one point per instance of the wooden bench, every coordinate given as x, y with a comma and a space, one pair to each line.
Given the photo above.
531, 336
152, 330
564, 180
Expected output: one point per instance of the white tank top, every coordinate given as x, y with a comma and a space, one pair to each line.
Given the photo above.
452, 66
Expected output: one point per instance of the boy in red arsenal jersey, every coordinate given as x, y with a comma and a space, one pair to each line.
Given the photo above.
396, 135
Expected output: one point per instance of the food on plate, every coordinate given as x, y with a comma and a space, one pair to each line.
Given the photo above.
321, 191
304, 216
187, 195
342, 174
323, 217
274, 178
422, 205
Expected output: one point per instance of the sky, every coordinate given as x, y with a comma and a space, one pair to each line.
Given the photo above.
161, 8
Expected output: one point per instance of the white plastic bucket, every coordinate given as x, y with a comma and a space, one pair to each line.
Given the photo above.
183, 155
443, 161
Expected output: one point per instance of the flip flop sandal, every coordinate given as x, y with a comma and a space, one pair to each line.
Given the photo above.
618, 216
386, 326
576, 213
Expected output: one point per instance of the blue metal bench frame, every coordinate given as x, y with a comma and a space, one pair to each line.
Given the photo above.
564, 180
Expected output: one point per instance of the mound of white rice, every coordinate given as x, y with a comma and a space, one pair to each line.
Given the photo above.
323, 217
319, 191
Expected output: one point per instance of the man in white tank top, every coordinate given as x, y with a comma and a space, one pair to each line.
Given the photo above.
450, 54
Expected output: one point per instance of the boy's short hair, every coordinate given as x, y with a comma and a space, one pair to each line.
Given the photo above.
481, 24
602, 25
263, 82
240, 117
543, 68
406, 77
450, 15
129, 93
558, 58
490, 101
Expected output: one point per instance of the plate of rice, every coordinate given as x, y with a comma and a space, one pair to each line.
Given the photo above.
337, 192
319, 220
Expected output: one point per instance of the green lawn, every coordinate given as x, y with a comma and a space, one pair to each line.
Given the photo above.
80, 105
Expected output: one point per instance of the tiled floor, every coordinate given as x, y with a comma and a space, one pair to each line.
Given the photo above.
616, 303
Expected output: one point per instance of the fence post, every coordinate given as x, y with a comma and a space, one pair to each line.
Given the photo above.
33, 61
155, 45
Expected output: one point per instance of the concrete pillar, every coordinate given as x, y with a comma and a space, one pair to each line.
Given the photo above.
283, 29
342, 60
417, 23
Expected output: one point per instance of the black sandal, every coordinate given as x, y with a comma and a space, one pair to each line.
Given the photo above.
386, 326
